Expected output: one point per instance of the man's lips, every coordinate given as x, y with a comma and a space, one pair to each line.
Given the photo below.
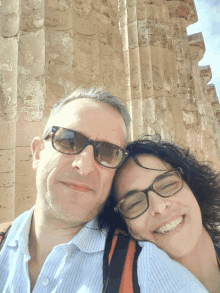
76, 186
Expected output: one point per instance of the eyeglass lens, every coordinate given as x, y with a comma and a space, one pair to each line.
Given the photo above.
71, 142
137, 203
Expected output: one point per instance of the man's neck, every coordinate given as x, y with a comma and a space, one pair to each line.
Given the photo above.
45, 234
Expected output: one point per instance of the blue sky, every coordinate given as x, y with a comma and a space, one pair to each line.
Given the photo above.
209, 24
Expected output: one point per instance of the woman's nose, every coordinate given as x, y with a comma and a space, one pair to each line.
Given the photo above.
158, 204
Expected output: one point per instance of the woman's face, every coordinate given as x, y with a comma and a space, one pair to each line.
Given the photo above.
173, 223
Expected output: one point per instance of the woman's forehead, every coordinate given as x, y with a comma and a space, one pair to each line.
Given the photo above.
147, 161
131, 176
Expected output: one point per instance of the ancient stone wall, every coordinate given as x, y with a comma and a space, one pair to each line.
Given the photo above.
138, 50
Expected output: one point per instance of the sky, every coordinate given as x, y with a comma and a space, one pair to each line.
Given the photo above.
208, 23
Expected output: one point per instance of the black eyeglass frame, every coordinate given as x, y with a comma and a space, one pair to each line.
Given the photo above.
95, 145
145, 191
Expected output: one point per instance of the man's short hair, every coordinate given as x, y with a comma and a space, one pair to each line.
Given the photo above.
97, 94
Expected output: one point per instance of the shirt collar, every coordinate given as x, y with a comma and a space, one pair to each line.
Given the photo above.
19, 232
89, 239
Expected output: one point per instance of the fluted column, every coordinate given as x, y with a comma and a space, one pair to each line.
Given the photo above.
206, 76
8, 105
31, 97
212, 96
197, 51
150, 68
182, 14
83, 48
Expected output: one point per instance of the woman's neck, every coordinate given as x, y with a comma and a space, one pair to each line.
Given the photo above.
202, 263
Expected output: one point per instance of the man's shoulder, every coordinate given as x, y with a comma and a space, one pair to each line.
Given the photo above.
16, 225
5, 225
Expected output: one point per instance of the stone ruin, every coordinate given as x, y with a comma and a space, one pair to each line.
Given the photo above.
138, 50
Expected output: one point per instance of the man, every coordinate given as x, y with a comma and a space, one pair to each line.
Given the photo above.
57, 246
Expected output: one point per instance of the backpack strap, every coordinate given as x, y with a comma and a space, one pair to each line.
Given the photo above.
4, 229
119, 273
217, 250
135, 276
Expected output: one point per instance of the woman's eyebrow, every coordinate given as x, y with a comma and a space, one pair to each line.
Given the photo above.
158, 178
131, 192
164, 175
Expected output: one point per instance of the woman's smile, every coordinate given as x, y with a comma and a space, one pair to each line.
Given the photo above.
171, 226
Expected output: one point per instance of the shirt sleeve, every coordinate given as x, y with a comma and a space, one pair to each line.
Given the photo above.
157, 273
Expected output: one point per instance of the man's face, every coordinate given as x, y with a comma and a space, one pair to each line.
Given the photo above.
74, 188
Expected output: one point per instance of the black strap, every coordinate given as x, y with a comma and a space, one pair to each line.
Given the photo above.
4, 236
108, 245
134, 274
115, 270
217, 249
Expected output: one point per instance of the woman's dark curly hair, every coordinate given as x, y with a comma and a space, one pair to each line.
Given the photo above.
201, 179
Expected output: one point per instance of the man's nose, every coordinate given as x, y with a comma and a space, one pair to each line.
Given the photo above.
84, 161
158, 204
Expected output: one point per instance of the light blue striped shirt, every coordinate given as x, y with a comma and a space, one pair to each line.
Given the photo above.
77, 265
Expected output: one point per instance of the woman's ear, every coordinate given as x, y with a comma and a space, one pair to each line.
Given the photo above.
37, 146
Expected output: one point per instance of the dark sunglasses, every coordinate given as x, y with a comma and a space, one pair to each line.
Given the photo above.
71, 142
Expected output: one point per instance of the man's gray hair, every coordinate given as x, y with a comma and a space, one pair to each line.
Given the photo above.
97, 94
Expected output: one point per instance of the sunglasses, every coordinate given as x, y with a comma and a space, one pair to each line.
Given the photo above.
136, 202
71, 142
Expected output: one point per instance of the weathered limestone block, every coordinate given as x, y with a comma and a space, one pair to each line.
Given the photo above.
212, 96
8, 105
8, 113
211, 91
182, 14
197, 50
9, 18
183, 9
83, 48
197, 46
32, 15
206, 75
31, 97
150, 65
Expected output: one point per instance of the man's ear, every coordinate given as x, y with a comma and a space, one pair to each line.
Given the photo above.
37, 146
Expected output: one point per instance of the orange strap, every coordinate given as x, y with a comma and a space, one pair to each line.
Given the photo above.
126, 285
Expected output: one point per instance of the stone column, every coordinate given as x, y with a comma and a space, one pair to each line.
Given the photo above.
212, 96
206, 76
31, 97
181, 15
150, 69
197, 50
8, 106
83, 47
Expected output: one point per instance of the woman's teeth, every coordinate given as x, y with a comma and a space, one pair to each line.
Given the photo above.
170, 226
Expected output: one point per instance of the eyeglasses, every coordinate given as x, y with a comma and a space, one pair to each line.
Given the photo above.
136, 202
71, 142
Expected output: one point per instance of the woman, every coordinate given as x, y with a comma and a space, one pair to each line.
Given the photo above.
168, 198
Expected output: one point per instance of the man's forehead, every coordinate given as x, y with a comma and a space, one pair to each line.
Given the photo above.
67, 112
87, 116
